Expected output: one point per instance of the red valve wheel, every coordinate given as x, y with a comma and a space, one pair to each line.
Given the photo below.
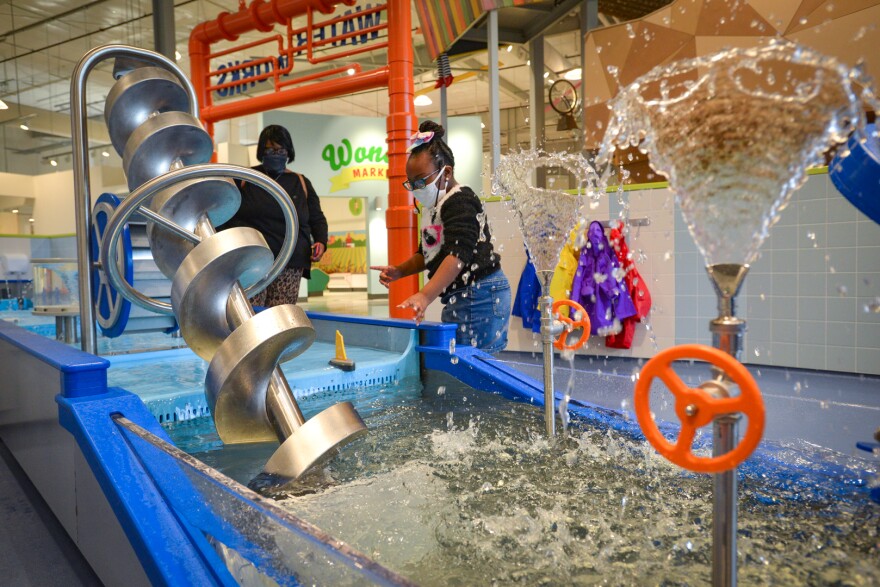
696, 408
583, 322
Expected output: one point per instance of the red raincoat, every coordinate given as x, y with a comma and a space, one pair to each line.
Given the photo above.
638, 291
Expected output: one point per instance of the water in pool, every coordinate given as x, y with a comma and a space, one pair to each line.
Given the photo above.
455, 486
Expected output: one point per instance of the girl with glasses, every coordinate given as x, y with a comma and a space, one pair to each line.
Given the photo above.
464, 270
260, 211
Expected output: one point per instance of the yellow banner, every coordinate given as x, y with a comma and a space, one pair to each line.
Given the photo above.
350, 175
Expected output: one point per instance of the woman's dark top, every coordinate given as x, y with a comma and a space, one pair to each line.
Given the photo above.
259, 210
454, 229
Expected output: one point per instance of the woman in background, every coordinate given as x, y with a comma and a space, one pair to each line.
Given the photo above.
259, 210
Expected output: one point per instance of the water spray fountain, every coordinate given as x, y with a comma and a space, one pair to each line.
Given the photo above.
546, 217
152, 119
734, 133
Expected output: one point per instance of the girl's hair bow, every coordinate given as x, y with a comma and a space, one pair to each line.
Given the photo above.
420, 138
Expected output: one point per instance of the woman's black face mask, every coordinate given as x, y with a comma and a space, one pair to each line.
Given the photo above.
274, 163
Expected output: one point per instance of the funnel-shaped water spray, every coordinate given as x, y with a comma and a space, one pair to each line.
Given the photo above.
734, 132
546, 217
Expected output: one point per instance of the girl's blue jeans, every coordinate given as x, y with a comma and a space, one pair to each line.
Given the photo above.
481, 311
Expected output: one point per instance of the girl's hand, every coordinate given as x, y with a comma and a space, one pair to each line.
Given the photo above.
387, 273
419, 303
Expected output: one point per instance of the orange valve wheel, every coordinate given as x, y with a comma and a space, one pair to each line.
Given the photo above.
696, 408
583, 322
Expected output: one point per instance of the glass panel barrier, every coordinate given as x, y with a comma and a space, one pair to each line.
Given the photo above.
259, 542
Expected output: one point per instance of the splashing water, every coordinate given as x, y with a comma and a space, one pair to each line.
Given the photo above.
455, 492
733, 132
546, 216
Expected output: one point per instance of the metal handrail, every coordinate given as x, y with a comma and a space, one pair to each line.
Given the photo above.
133, 202
81, 175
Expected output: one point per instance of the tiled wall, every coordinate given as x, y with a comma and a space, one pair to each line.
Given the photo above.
810, 300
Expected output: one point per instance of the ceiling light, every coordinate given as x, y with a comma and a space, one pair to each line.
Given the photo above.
3, 105
30, 219
105, 153
546, 74
177, 55
351, 71
53, 163
23, 126
15, 210
422, 100
509, 48
573, 74
482, 125
529, 62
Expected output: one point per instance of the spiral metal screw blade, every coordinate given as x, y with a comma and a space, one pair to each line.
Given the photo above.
250, 399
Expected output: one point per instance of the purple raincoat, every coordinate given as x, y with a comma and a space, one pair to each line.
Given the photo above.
604, 297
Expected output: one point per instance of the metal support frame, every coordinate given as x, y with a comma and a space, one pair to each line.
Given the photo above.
494, 100
163, 27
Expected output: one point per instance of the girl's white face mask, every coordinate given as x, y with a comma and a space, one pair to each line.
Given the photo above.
429, 195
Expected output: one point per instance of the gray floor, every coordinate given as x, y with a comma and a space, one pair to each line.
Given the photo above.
35, 551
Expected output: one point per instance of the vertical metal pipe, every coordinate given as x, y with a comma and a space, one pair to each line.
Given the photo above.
444, 119
724, 506
536, 104
163, 28
494, 95
727, 335
403, 230
589, 21
545, 305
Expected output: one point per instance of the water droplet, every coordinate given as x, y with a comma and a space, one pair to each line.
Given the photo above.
630, 31
797, 387
842, 291
823, 404
667, 255
453, 360
441, 390
873, 307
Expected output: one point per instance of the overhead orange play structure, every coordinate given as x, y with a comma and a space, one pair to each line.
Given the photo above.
396, 75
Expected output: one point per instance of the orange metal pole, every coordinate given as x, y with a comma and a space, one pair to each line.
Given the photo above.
401, 123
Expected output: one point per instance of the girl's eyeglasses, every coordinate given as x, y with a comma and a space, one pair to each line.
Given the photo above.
418, 184
271, 151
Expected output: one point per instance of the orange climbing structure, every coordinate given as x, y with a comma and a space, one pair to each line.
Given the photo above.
289, 89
